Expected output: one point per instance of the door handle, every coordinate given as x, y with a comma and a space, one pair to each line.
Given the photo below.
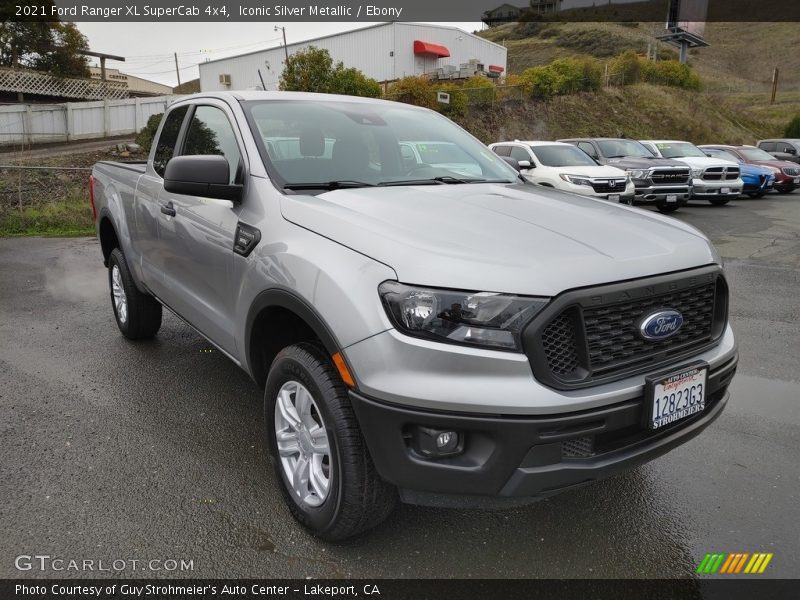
168, 209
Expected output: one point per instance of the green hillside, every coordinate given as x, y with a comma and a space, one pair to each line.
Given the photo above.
733, 107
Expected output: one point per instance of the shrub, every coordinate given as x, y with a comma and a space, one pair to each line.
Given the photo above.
413, 90
479, 90
793, 128
145, 137
353, 83
563, 76
626, 68
670, 72
458, 100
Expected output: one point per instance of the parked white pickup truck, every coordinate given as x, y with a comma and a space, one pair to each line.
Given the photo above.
713, 179
566, 167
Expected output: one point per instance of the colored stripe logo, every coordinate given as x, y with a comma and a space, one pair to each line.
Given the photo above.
734, 563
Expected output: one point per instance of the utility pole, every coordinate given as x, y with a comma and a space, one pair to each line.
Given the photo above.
285, 49
774, 85
177, 70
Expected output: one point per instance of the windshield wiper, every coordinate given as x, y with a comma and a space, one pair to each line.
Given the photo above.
441, 180
328, 185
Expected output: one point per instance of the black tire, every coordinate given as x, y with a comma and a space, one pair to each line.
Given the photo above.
357, 498
143, 319
756, 194
784, 190
719, 201
667, 208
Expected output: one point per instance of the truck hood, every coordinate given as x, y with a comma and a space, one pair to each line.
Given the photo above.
703, 162
642, 162
517, 238
588, 171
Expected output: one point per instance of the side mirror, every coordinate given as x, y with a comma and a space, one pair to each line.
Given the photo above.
524, 164
791, 151
204, 175
512, 161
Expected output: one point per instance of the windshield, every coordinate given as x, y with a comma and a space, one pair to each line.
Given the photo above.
621, 148
678, 149
354, 144
723, 154
756, 154
562, 156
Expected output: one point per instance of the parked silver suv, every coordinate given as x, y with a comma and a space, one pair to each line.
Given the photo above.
421, 330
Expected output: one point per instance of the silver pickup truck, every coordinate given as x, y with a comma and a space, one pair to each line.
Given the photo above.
421, 332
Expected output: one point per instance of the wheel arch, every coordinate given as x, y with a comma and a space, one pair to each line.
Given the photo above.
278, 318
107, 232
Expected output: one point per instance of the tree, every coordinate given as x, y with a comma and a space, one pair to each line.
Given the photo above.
793, 128
312, 70
42, 45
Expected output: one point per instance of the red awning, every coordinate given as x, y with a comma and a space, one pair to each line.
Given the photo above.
496, 68
429, 49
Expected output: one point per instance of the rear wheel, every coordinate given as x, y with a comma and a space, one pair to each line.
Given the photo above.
327, 476
138, 315
719, 201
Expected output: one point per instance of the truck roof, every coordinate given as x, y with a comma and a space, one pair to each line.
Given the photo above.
250, 95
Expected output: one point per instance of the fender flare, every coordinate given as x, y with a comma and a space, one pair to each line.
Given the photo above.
282, 298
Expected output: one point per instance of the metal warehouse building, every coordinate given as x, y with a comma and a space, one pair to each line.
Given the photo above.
385, 52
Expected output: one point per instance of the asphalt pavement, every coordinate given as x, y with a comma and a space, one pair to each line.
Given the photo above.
120, 451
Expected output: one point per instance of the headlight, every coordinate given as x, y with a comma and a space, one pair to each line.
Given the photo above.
639, 173
471, 318
697, 173
576, 179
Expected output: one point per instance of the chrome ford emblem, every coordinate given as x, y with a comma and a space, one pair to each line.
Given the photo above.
661, 325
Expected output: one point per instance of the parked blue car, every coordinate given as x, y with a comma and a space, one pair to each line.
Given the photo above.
757, 180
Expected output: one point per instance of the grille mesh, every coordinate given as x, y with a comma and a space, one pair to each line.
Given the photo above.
578, 448
613, 186
611, 332
659, 177
560, 343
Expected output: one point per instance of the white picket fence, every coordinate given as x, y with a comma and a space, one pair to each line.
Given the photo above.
38, 123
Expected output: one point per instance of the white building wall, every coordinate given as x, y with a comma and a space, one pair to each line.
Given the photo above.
383, 52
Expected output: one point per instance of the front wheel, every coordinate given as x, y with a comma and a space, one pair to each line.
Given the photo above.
719, 201
667, 208
756, 194
327, 476
784, 190
138, 315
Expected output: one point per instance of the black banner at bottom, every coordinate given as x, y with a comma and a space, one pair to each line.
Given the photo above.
402, 589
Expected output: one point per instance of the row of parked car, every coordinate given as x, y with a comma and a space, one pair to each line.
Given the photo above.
664, 173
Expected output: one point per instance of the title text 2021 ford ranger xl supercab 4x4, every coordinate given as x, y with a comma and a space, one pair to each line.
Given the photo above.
420, 333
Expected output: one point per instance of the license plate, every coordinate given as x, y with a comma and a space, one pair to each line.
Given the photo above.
672, 198
676, 396
797, 179
613, 197
725, 191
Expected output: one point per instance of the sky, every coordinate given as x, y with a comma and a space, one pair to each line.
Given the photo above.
149, 47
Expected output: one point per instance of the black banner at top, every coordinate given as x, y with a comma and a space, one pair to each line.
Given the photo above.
489, 11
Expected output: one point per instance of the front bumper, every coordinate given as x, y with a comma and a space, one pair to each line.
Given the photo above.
662, 194
509, 456
716, 189
584, 190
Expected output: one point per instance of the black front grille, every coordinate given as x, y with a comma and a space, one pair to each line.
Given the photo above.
791, 171
608, 187
663, 177
578, 447
721, 174
612, 332
591, 336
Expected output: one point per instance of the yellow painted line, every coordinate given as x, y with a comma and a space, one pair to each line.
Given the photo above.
741, 562
728, 562
765, 563
761, 557
751, 563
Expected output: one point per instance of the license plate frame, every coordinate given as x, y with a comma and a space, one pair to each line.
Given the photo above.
672, 197
691, 403
614, 197
725, 190
797, 179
